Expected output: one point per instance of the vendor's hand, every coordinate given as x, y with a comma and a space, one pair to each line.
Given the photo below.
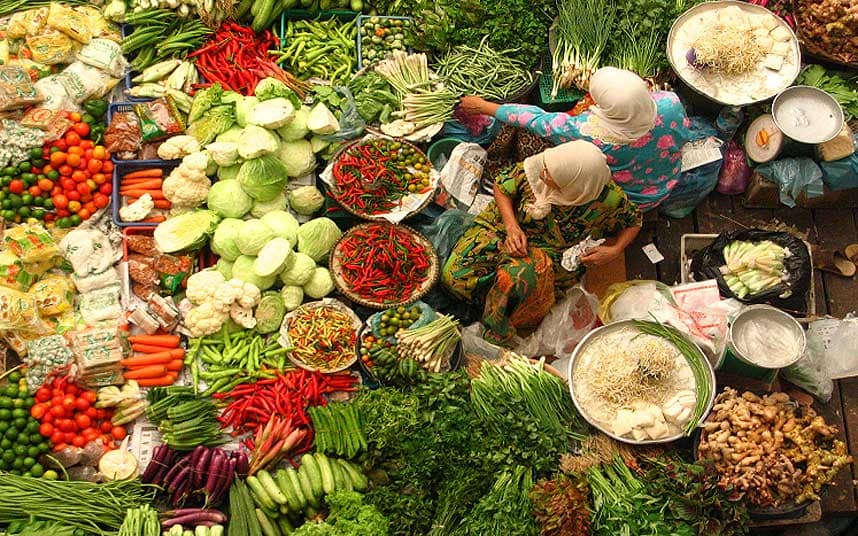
516, 241
472, 105
600, 255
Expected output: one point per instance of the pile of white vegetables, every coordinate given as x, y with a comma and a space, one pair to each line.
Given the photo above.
115, 10
752, 268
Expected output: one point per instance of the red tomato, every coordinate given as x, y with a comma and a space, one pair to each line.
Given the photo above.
84, 213
68, 183
72, 138
80, 151
49, 417
43, 394
106, 188
90, 434
82, 420
74, 160
38, 410
60, 144
94, 166
46, 429
118, 433
90, 205
99, 178
90, 412
59, 447
61, 201
75, 116
83, 188
65, 170
81, 404
46, 184
106, 440
81, 128
17, 186
68, 402
79, 441
35, 191
71, 389
68, 437
87, 144
107, 166
56, 437
89, 396
100, 200
57, 399
58, 411
105, 426
56, 191
74, 195
67, 426
79, 176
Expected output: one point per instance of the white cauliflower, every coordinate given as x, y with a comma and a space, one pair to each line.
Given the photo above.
202, 286
187, 186
243, 316
178, 147
246, 294
137, 210
205, 319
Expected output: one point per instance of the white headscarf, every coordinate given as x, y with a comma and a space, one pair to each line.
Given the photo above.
624, 106
578, 168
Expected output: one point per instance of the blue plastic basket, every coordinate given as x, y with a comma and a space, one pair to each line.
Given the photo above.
302, 14
118, 107
125, 167
361, 20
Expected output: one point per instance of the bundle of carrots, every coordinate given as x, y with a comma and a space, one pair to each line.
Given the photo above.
157, 361
145, 181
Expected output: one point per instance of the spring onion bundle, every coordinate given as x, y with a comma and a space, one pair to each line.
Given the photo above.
702, 382
484, 71
642, 56
431, 344
520, 387
89, 506
410, 77
583, 29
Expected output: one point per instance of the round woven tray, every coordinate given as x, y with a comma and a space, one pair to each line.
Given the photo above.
419, 292
286, 341
814, 50
358, 212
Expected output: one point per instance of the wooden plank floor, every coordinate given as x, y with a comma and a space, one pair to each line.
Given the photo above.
831, 228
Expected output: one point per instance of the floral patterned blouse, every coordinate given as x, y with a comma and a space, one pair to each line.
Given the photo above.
646, 169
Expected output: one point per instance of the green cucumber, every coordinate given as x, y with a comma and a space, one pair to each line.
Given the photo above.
268, 528
288, 492
358, 480
328, 484
285, 527
307, 487
344, 476
340, 477
296, 486
271, 488
310, 467
260, 496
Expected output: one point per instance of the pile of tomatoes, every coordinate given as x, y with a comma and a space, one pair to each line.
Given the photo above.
65, 182
68, 416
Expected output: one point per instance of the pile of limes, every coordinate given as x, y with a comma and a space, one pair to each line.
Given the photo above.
21, 445
396, 319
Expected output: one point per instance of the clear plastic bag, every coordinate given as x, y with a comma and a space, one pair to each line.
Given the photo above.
794, 176
811, 372
565, 325
841, 354
352, 124
446, 230
735, 173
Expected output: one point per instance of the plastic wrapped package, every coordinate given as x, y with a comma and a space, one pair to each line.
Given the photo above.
101, 304
565, 325
14, 273
841, 354
22, 23
351, 123
52, 47
44, 356
735, 172
70, 22
18, 311
16, 88
54, 294
633, 299
104, 54
31, 243
811, 372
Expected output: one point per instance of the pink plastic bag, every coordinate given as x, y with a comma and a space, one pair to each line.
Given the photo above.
735, 172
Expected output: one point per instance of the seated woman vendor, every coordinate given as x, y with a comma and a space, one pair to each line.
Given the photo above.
641, 133
510, 257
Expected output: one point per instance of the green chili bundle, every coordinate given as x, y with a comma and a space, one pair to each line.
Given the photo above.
95, 508
484, 71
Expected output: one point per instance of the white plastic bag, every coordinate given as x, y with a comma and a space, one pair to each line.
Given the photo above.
812, 372
842, 352
563, 328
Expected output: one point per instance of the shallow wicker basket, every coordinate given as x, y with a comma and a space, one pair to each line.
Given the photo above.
327, 303
357, 211
419, 292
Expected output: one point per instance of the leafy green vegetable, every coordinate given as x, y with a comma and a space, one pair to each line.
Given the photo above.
349, 516
262, 178
842, 86
204, 100
373, 97
228, 199
223, 241
187, 231
317, 238
270, 312
306, 200
214, 121
271, 88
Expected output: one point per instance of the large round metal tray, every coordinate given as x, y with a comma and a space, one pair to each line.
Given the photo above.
617, 326
431, 276
676, 55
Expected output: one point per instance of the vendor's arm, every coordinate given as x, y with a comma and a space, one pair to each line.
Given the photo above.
556, 127
612, 249
516, 241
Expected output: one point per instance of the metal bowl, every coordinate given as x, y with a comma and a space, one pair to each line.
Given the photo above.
807, 114
606, 330
692, 17
758, 312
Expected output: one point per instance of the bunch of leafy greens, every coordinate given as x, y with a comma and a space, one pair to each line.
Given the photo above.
433, 459
842, 86
560, 507
373, 97
511, 24
348, 516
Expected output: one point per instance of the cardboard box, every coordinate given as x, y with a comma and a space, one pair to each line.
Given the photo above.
762, 193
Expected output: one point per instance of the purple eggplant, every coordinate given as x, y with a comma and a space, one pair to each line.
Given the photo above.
179, 472
200, 517
242, 465
201, 468
182, 489
216, 469
154, 464
167, 466
222, 486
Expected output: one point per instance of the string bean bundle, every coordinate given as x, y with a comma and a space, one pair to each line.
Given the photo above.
484, 71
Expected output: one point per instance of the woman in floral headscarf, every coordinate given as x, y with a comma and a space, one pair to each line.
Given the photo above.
510, 256
641, 133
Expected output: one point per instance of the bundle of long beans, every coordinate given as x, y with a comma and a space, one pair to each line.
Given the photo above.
424, 102
91, 507
702, 381
184, 420
141, 521
582, 30
484, 71
160, 35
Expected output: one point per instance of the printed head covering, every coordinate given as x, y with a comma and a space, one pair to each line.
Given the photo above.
624, 105
578, 168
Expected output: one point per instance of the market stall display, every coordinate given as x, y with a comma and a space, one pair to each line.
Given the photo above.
198, 338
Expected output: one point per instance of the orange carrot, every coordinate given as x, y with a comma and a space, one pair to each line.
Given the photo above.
161, 358
142, 185
152, 173
163, 203
155, 219
168, 341
162, 381
147, 348
175, 365
152, 371
156, 194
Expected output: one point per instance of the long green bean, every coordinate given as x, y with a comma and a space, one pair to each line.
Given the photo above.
95, 508
484, 71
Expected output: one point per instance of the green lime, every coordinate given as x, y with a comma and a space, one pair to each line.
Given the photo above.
55, 150
28, 177
5, 444
20, 424
3, 466
6, 401
24, 212
14, 377
36, 438
20, 450
37, 470
15, 201
10, 171
11, 391
34, 452
75, 219
29, 462
27, 473
27, 199
49, 204
29, 402
12, 433
6, 203
5, 414
8, 456
62, 223
24, 167
39, 201
8, 214
50, 474
33, 427
44, 446
4, 425
19, 411
53, 174
39, 162
36, 152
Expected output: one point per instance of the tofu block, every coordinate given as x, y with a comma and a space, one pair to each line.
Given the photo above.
781, 34
781, 48
769, 22
774, 62
765, 42
623, 422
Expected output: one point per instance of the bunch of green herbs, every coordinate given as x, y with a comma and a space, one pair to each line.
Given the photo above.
842, 86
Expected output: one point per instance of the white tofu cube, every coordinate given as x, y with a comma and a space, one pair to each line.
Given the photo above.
774, 62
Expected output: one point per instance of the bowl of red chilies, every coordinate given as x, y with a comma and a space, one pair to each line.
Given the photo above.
381, 265
376, 177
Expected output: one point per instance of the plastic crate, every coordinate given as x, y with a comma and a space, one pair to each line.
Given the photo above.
118, 107
305, 14
360, 22
117, 201
565, 99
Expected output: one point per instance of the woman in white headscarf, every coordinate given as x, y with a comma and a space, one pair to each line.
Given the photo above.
641, 133
510, 257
